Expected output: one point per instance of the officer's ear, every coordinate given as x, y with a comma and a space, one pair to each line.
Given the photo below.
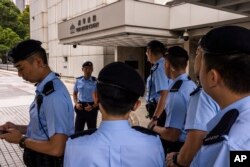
137, 105
214, 78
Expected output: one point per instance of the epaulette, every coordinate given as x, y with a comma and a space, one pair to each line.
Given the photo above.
155, 67
222, 128
176, 86
82, 133
48, 88
145, 130
94, 78
58, 75
195, 91
79, 77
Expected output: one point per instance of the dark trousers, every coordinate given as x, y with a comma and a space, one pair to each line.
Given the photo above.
83, 117
35, 159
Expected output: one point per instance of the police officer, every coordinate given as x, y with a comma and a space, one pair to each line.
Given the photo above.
86, 110
157, 83
224, 75
115, 143
201, 109
176, 106
51, 112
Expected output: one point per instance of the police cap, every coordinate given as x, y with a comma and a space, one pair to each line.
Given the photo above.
24, 49
87, 63
177, 52
226, 40
121, 75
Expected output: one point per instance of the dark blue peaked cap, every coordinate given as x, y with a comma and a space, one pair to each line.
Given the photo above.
87, 63
121, 75
24, 49
226, 40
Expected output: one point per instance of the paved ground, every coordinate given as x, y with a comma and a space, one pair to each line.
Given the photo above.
15, 97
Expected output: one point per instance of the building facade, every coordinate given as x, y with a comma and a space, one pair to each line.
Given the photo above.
103, 31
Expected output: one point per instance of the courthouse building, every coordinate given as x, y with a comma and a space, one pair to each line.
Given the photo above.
104, 31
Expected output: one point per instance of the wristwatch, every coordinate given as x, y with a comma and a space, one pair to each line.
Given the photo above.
22, 142
175, 160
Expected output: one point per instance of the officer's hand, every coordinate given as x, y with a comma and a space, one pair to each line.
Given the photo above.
8, 125
169, 159
79, 106
88, 108
151, 124
12, 136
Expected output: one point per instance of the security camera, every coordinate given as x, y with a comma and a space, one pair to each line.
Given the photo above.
185, 36
75, 45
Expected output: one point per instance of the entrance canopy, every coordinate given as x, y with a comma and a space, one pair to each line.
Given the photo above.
123, 23
235, 6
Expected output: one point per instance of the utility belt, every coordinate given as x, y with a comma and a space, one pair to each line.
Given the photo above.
35, 159
85, 104
151, 106
172, 146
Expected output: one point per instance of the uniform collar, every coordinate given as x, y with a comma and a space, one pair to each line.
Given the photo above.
183, 77
89, 79
159, 61
114, 125
49, 77
240, 105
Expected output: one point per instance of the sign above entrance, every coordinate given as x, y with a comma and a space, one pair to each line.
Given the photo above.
84, 24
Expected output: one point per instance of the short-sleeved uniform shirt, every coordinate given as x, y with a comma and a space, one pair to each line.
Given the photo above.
85, 88
115, 144
177, 103
159, 80
201, 109
56, 111
238, 139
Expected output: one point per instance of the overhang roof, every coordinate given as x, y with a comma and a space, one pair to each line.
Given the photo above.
123, 23
235, 6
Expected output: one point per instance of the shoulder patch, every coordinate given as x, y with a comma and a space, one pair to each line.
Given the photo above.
82, 133
176, 86
195, 91
94, 78
222, 128
79, 77
48, 88
145, 130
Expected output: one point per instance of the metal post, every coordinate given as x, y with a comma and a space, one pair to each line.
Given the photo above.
7, 61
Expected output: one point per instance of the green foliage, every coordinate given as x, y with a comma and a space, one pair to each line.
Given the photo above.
8, 39
14, 26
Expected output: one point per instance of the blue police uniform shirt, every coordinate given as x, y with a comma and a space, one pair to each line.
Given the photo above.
56, 111
159, 80
217, 154
201, 109
177, 103
115, 144
85, 88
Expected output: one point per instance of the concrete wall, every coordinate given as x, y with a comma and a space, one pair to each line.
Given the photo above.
45, 16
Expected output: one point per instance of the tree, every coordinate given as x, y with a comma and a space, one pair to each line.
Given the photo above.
11, 17
24, 19
8, 39
14, 26
9, 14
